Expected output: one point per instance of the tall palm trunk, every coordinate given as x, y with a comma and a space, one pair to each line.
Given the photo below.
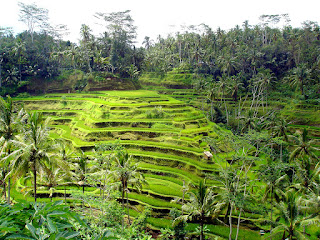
122, 200
183, 193
238, 225
230, 221
65, 194
271, 210
211, 111
201, 225
5, 189
128, 207
35, 182
9, 181
9, 185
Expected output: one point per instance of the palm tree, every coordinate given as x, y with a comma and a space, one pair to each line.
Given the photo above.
228, 63
303, 146
9, 124
280, 128
101, 167
273, 175
234, 86
3, 155
34, 145
291, 218
202, 203
223, 88
50, 178
249, 122
86, 44
126, 173
300, 77
147, 42
63, 156
211, 95
72, 54
82, 170
264, 78
19, 49
228, 190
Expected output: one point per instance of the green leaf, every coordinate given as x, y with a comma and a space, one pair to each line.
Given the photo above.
70, 235
51, 225
7, 229
19, 236
57, 213
31, 229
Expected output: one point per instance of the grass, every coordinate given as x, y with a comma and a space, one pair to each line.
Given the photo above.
175, 158
172, 155
153, 202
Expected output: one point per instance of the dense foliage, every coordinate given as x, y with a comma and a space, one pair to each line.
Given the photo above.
257, 93
240, 56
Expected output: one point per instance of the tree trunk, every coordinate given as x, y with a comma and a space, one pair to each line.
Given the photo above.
35, 183
128, 208
122, 200
83, 189
9, 185
225, 105
20, 69
230, 221
211, 111
238, 225
301, 87
201, 225
104, 184
183, 193
5, 189
180, 59
271, 211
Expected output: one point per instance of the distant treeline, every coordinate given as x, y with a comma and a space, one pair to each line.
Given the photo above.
243, 55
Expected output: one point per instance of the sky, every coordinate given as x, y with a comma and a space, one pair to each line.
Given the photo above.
161, 17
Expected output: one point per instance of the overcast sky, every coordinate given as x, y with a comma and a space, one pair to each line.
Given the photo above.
162, 17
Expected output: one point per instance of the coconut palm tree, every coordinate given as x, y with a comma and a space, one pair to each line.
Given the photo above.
291, 219
34, 144
126, 173
228, 63
212, 91
273, 174
63, 157
223, 88
50, 178
18, 50
82, 170
2, 166
102, 165
303, 146
308, 174
300, 77
234, 86
203, 203
280, 128
250, 122
9, 127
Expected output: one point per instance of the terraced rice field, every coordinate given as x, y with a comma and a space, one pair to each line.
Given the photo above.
163, 134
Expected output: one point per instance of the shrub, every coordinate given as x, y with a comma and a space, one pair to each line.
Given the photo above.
23, 95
